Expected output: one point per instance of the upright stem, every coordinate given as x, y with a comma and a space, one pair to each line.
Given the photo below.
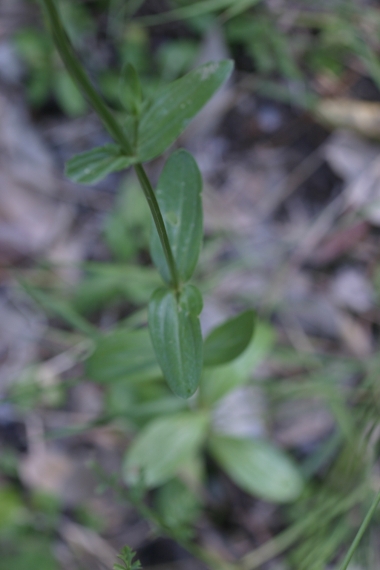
159, 222
71, 61
80, 77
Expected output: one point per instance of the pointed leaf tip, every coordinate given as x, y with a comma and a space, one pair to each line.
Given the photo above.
94, 165
227, 341
178, 103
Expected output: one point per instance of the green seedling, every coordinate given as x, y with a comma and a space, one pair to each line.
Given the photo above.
151, 127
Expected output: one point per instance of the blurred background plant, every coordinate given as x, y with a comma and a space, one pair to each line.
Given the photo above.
291, 219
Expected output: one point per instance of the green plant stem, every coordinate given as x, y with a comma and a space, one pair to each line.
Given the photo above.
80, 77
70, 59
359, 535
159, 222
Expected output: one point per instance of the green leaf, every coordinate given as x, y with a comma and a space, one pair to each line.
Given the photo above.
94, 165
178, 507
12, 511
176, 105
35, 551
163, 446
126, 556
131, 90
219, 380
229, 340
179, 197
68, 95
258, 467
123, 353
176, 336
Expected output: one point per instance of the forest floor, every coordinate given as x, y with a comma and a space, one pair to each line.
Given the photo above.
292, 218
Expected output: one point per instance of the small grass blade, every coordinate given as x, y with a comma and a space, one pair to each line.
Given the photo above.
360, 534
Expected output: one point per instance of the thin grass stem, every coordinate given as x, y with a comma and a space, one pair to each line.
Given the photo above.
79, 75
360, 533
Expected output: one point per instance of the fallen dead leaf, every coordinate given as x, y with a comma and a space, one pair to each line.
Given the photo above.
31, 219
355, 335
339, 243
84, 541
240, 413
351, 289
358, 163
303, 422
360, 116
45, 470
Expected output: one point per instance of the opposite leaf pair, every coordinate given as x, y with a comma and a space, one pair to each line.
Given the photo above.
158, 124
176, 208
174, 315
167, 445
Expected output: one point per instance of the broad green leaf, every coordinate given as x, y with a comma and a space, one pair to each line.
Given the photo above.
179, 197
258, 467
68, 95
176, 105
229, 340
163, 446
94, 165
219, 380
176, 336
123, 353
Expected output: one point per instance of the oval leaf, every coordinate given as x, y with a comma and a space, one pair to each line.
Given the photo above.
163, 447
179, 197
258, 468
176, 336
219, 380
176, 105
229, 340
94, 165
123, 353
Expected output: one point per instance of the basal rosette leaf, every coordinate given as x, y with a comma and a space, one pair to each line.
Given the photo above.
163, 446
258, 467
